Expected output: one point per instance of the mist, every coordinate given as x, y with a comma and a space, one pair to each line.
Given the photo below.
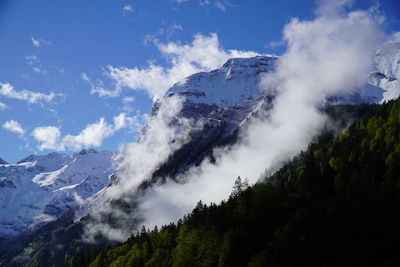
165, 132
325, 56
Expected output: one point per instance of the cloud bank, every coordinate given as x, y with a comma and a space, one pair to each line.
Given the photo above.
49, 137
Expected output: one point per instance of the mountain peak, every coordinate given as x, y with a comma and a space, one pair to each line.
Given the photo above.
236, 81
87, 151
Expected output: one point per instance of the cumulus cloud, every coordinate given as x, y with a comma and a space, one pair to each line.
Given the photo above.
14, 126
203, 54
49, 137
7, 90
127, 9
325, 56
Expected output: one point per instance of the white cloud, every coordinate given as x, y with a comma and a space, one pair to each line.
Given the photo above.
2, 106
7, 90
275, 44
180, 1
220, 6
203, 54
35, 42
128, 99
328, 8
49, 137
85, 77
97, 87
14, 126
34, 62
92, 136
39, 42
204, 3
128, 9
32, 59
39, 70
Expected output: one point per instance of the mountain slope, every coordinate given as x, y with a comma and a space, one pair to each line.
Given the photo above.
39, 189
223, 101
335, 205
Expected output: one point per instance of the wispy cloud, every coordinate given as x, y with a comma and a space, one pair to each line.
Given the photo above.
97, 87
34, 62
2, 106
275, 44
14, 126
204, 3
166, 31
7, 90
32, 59
37, 42
203, 54
49, 137
220, 6
128, 99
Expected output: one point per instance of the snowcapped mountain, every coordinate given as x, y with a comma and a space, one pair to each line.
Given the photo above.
236, 81
387, 65
224, 99
39, 189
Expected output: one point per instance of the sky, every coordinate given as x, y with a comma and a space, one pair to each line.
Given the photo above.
78, 74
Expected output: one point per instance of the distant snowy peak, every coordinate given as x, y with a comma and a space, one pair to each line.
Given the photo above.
49, 162
236, 81
3, 161
387, 69
40, 188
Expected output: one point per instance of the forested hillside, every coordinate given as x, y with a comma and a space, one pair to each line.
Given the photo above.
336, 204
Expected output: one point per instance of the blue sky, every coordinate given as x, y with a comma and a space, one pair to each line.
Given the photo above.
77, 74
